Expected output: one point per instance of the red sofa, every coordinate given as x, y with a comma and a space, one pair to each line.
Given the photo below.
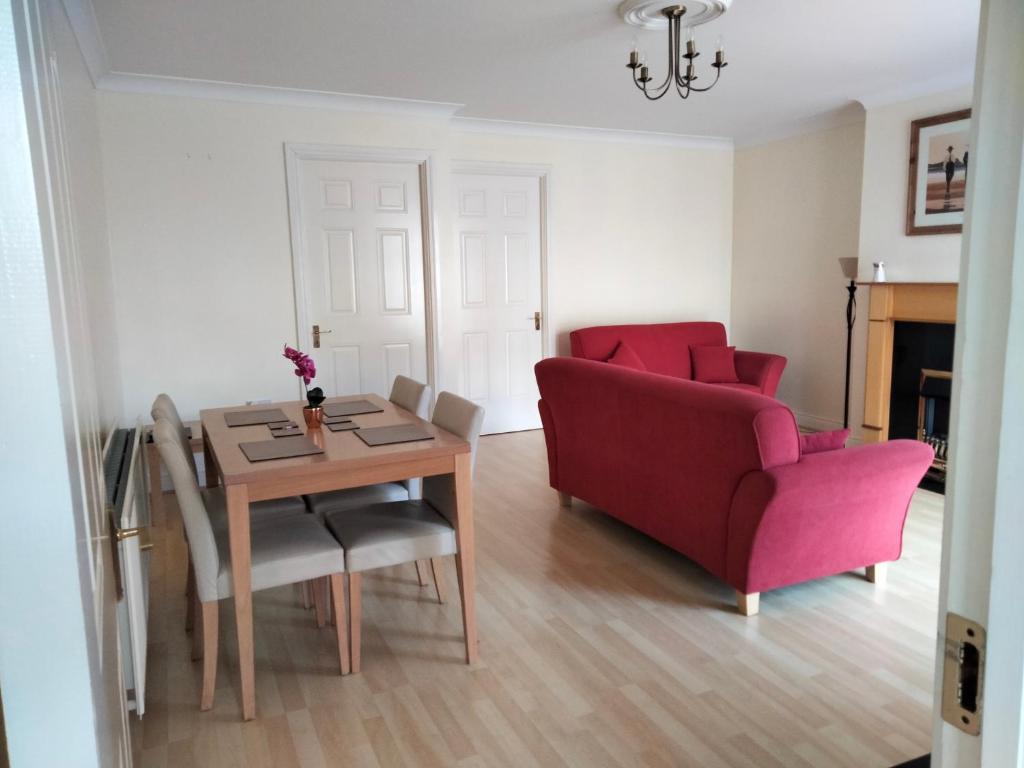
718, 475
665, 348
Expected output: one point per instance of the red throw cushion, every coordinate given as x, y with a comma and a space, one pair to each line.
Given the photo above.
816, 442
626, 357
714, 365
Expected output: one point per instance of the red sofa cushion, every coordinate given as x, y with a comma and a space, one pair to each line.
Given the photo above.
714, 365
816, 442
664, 347
626, 357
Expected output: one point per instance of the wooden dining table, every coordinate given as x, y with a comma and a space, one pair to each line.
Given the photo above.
346, 462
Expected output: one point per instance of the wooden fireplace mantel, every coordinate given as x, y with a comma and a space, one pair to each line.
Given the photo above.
889, 303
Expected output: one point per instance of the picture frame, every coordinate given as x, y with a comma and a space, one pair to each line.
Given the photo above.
937, 180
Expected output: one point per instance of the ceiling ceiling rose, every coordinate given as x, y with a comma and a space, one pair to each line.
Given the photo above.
647, 14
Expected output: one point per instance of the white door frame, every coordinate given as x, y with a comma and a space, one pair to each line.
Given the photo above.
543, 173
294, 153
982, 568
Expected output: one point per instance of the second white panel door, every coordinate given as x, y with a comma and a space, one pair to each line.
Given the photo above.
362, 252
498, 238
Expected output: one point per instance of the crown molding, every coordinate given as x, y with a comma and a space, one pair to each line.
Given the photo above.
127, 82
917, 90
82, 18
849, 114
610, 135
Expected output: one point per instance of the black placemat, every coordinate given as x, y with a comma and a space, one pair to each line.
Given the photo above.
396, 433
336, 420
249, 418
266, 450
342, 426
290, 430
351, 408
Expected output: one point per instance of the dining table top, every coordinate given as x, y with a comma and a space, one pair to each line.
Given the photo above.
342, 451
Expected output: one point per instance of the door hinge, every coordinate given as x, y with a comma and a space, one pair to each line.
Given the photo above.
962, 673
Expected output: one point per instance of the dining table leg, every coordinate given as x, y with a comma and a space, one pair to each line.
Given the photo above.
241, 580
465, 556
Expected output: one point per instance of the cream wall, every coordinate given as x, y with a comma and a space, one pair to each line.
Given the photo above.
796, 207
922, 258
202, 258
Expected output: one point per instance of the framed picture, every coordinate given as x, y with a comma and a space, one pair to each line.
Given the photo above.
939, 163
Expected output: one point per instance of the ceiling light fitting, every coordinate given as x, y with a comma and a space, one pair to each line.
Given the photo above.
681, 70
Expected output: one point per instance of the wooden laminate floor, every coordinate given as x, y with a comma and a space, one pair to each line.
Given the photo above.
599, 647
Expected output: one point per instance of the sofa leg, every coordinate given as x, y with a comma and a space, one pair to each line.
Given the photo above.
564, 499
876, 573
748, 605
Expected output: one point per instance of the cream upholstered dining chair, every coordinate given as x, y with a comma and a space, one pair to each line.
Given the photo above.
414, 397
397, 532
164, 408
284, 551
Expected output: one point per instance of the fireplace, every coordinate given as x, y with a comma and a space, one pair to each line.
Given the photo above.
910, 332
922, 364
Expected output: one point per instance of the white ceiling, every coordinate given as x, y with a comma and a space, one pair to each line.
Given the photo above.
556, 61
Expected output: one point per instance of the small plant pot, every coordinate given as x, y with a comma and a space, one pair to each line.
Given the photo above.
313, 416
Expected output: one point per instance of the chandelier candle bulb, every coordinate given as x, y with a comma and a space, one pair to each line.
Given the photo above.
634, 59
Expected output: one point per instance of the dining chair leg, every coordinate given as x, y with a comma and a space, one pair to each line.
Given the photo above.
195, 607
307, 599
190, 597
437, 568
338, 594
421, 572
317, 587
209, 632
355, 617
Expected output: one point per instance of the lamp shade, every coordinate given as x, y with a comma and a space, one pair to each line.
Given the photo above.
849, 267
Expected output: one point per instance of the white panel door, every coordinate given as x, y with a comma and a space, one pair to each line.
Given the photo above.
362, 267
498, 238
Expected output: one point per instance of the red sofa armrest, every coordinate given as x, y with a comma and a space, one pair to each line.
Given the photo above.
830, 512
761, 370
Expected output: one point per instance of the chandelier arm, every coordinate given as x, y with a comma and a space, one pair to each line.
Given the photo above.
718, 74
658, 92
671, 67
683, 90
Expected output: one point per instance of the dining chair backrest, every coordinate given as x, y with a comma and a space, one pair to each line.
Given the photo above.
411, 395
164, 408
201, 542
463, 418
415, 397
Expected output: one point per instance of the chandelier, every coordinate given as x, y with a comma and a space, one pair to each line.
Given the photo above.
682, 73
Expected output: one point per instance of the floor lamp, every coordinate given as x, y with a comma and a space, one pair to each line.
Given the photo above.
849, 267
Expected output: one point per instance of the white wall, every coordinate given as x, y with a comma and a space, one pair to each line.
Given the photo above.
922, 258
797, 211
199, 232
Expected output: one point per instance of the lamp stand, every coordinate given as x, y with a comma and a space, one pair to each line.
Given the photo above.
851, 317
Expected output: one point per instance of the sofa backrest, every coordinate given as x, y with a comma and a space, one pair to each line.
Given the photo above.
664, 347
662, 454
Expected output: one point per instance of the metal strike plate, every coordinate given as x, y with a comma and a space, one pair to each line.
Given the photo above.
963, 673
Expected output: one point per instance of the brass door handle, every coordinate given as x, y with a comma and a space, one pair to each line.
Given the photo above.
145, 540
536, 321
316, 336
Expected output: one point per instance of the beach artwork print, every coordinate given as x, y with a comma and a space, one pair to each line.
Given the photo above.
940, 162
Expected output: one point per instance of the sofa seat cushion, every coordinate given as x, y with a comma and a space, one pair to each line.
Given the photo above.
714, 364
381, 535
626, 357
